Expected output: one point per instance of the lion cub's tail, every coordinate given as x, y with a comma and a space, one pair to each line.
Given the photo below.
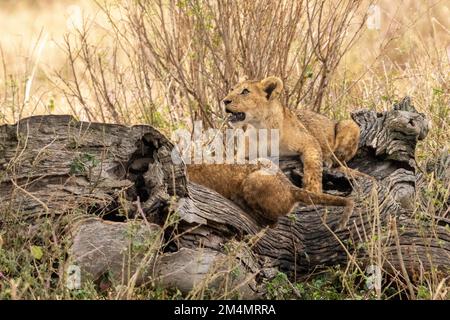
308, 197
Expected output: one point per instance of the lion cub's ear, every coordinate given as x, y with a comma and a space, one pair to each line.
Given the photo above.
272, 86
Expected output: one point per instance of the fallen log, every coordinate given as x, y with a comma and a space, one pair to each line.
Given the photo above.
55, 166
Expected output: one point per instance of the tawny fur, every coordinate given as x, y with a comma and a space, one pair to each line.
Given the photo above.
267, 192
314, 137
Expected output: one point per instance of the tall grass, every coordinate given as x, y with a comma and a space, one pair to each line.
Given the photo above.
168, 63
183, 56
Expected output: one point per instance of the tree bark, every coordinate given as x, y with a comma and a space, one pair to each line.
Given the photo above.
55, 166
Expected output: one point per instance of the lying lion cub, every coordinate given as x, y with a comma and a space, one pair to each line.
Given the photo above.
314, 137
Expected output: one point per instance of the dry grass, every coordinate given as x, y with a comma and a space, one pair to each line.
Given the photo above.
130, 62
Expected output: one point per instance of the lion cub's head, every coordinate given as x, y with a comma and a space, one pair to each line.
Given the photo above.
250, 101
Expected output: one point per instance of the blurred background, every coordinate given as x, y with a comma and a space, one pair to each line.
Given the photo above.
170, 62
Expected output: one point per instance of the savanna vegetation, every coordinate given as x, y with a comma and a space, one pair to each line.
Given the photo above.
168, 63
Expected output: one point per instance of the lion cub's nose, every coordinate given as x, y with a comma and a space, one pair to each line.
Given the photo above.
226, 102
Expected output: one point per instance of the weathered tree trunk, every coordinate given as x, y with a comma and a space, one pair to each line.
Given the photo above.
53, 166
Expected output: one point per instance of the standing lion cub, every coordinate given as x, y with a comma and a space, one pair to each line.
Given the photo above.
315, 138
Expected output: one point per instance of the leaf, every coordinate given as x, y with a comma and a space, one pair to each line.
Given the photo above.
36, 252
308, 72
51, 105
437, 91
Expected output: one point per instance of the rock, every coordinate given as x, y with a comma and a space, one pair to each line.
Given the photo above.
116, 250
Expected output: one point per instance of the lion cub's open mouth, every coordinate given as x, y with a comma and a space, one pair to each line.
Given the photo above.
235, 116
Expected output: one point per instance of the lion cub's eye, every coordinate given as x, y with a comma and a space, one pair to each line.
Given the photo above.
245, 91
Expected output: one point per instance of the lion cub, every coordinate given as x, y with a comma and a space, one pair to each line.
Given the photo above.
317, 139
261, 188
312, 136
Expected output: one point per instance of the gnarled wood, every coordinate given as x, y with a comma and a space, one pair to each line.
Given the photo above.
55, 166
